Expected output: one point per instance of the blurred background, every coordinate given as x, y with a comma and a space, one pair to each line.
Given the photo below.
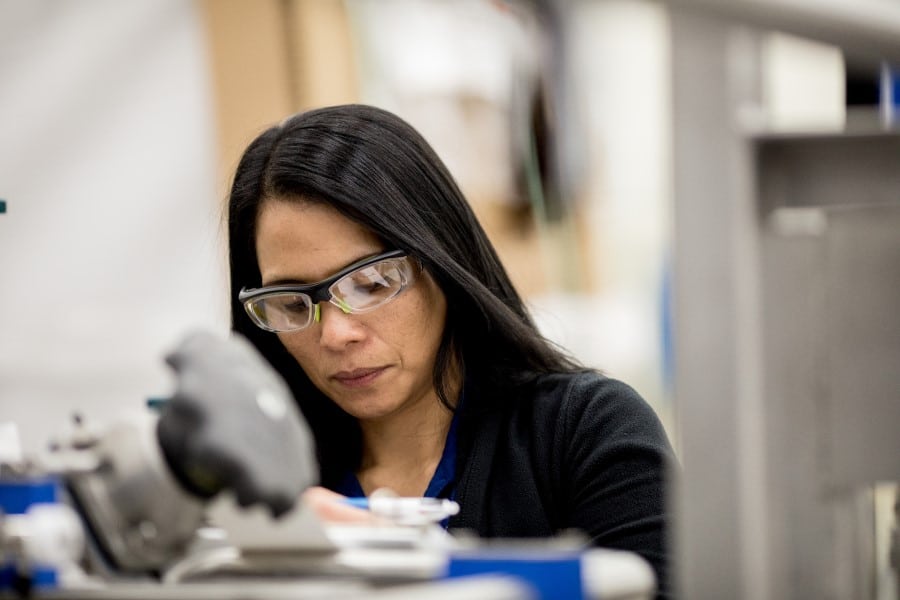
123, 122
652, 174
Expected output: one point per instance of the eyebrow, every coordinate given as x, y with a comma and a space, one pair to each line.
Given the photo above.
291, 280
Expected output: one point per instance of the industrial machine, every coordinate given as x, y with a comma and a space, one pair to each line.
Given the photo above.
202, 499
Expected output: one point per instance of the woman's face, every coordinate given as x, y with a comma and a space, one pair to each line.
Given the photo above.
373, 365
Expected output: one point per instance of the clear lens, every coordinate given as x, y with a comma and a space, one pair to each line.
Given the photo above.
281, 312
371, 286
362, 290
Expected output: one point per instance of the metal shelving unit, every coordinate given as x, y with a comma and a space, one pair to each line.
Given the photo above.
787, 315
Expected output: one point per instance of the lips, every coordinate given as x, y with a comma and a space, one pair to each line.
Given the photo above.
358, 377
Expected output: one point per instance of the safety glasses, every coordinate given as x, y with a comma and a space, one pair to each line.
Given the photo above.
358, 288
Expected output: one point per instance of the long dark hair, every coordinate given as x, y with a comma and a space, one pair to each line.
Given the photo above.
377, 170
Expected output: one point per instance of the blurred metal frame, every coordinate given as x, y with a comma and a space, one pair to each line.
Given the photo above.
786, 269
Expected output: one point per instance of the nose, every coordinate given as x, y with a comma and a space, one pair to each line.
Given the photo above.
338, 329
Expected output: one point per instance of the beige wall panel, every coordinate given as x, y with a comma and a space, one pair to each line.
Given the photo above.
249, 59
322, 53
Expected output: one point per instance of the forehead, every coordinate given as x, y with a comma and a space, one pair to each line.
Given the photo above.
307, 241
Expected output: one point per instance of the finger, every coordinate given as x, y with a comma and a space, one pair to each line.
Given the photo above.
329, 506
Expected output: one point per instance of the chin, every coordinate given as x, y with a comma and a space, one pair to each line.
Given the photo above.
363, 408
368, 413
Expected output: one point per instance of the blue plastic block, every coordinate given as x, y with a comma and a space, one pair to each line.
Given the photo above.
17, 495
552, 574
41, 577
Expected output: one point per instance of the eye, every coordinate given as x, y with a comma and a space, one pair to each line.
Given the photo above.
370, 284
375, 278
288, 303
297, 307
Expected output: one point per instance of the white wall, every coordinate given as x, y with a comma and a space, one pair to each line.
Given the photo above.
620, 70
110, 249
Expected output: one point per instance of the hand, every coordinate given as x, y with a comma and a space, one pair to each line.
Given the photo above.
329, 506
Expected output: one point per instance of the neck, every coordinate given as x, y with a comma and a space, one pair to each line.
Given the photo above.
401, 452
406, 438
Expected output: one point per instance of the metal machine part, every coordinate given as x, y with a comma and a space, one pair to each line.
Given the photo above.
143, 483
143, 488
138, 513
41, 538
46, 537
233, 424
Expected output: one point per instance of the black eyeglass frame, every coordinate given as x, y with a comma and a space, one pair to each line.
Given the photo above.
318, 291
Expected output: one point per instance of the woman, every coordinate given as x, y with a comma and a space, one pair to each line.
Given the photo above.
360, 272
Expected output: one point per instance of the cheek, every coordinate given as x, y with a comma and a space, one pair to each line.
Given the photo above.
301, 346
412, 326
427, 328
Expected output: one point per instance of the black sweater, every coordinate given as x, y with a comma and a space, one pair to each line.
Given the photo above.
577, 451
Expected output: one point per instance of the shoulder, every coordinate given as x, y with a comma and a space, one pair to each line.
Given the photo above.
590, 414
587, 395
565, 413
